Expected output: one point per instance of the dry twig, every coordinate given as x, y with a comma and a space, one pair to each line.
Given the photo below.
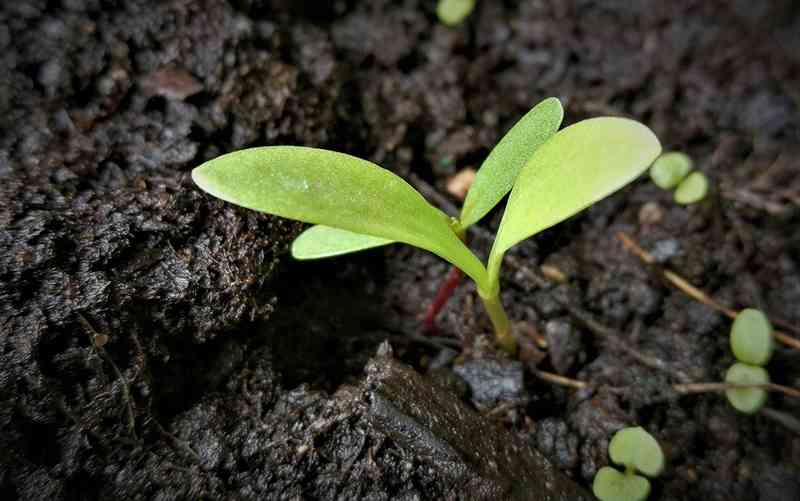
690, 290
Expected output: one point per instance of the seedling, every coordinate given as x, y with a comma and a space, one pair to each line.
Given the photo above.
673, 170
746, 400
752, 345
551, 175
453, 12
637, 451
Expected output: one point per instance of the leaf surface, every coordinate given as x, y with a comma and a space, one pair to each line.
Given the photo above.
337, 190
611, 485
321, 241
578, 166
497, 174
634, 447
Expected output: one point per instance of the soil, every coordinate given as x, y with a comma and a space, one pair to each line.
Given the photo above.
159, 344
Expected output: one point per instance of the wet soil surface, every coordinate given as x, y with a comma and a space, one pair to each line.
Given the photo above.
156, 343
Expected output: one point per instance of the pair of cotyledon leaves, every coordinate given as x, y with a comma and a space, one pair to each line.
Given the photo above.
638, 451
358, 205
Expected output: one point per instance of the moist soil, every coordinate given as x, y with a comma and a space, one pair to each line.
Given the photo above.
156, 343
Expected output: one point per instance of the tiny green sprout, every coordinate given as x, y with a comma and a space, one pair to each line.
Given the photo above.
636, 450
692, 189
746, 400
453, 12
670, 169
358, 205
751, 337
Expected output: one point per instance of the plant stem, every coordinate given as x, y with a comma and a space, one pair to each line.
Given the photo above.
502, 327
442, 296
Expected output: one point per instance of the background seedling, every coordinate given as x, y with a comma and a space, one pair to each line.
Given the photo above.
670, 169
746, 400
692, 189
453, 12
752, 345
551, 176
636, 450
751, 337
673, 170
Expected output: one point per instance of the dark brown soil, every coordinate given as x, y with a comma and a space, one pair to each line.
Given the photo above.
231, 372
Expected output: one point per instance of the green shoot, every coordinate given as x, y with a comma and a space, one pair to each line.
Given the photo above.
453, 12
670, 169
636, 450
746, 400
751, 337
552, 176
692, 189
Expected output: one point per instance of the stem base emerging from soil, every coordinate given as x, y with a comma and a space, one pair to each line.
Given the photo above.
502, 327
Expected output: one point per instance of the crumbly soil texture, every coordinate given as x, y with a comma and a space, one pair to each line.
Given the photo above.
156, 343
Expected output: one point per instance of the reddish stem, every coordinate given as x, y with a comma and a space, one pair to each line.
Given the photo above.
442, 296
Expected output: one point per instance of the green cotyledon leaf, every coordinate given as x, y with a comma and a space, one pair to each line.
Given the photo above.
337, 190
453, 12
575, 168
611, 485
321, 241
493, 181
634, 447
497, 174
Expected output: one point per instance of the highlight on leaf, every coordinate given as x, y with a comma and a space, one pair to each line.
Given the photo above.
337, 190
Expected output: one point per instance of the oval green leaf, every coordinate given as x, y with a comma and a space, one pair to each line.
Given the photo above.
751, 337
321, 241
611, 485
746, 400
692, 189
670, 169
578, 166
497, 174
452, 12
337, 190
635, 448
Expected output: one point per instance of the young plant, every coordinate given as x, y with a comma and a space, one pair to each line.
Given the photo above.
673, 170
752, 345
453, 12
551, 176
636, 450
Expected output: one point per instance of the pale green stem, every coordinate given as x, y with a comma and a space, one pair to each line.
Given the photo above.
502, 327
492, 286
